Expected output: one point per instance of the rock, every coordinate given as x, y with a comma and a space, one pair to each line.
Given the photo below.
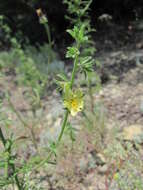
103, 169
99, 158
132, 132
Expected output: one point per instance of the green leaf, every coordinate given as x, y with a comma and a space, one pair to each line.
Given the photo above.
71, 131
8, 144
2, 164
79, 33
72, 52
62, 77
53, 148
86, 64
61, 82
72, 32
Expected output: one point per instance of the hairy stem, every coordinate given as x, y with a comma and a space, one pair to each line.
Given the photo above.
63, 125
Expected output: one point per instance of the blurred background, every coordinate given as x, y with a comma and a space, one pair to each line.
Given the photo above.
21, 16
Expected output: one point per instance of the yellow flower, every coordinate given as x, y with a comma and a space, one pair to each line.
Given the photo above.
73, 101
39, 12
42, 17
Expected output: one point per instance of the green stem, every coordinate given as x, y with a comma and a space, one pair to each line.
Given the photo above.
74, 67
74, 71
63, 125
59, 139
12, 165
2, 137
16, 178
49, 40
48, 34
4, 143
6, 169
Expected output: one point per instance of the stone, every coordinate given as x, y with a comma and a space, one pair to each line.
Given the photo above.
99, 158
132, 132
103, 169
